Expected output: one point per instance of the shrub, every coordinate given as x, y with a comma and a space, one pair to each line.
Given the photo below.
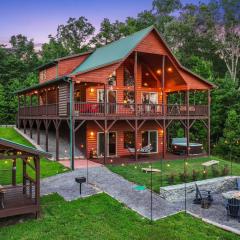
215, 171
171, 178
225, 170
183, 176
195, 175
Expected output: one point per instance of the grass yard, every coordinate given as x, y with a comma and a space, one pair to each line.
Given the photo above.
102, 217
134, 173
48, 168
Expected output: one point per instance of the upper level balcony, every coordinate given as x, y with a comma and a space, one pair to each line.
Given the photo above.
84, 109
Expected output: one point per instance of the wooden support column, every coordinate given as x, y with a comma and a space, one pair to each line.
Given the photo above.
209, 123
188, 123
24, 126
24, 175
14, 172
37, 187
163, 85
38, 131
164, 109
105, 124
57, 125
46, 123
136, 137
31, 122
135, 81
73, 125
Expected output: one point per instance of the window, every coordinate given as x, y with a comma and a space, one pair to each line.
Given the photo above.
128, 77
129, 139
150, 137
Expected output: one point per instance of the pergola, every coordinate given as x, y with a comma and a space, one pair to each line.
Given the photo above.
19, 190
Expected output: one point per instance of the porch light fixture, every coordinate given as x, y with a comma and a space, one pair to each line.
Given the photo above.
159, 71
91, 90
146, 74
170, 69
91, 134
78, 82
35, 92
145, 84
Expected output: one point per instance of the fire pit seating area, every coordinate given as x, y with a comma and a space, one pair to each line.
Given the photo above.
179, 146
176, 193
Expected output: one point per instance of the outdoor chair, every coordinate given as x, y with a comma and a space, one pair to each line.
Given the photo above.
143, 150
238, 184
233, 208
202, 195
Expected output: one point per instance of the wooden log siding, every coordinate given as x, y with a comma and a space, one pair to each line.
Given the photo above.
63, 99
120, 127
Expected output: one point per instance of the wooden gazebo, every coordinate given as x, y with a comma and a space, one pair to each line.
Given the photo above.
19, 190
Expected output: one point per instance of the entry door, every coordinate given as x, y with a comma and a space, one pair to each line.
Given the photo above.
111, 144
150, 137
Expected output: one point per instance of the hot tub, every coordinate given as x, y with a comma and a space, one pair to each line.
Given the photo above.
179, 146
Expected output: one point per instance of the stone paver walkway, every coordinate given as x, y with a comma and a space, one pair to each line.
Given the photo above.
102, 179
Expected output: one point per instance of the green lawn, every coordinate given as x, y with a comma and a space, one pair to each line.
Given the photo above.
48, 168
102, 217
134, 173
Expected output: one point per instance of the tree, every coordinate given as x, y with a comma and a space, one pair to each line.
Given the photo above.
108, 33
75, 34
229, 143
164, 10
52, 50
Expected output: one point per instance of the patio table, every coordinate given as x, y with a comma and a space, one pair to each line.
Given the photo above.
232, 194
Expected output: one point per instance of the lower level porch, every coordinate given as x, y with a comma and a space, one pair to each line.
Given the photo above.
120, 137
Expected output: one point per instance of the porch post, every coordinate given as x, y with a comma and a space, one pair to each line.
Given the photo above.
46, 123
105, 124
164, 108
57, 124
209, 122
135, 80
136, 137
187, 102
38, 131
72, 123
37, 190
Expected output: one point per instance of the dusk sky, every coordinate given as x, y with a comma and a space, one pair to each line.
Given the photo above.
38, 18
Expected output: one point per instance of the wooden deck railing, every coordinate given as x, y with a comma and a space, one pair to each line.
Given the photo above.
41, 110
117, 109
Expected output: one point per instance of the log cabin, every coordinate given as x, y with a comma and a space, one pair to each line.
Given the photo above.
115, 101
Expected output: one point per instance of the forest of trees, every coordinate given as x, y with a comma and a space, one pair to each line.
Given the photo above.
204, 36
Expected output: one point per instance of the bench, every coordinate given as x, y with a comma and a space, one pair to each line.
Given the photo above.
210, 163
153, 170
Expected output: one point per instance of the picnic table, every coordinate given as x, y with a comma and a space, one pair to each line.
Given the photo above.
210, 163
154, 170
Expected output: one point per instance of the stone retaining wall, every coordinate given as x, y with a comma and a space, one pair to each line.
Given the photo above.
216, 185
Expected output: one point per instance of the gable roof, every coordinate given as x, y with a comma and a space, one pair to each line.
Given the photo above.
120, 49
20, 147
113, 52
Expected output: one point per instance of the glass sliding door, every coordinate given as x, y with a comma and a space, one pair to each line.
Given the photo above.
111, 144
150, 137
